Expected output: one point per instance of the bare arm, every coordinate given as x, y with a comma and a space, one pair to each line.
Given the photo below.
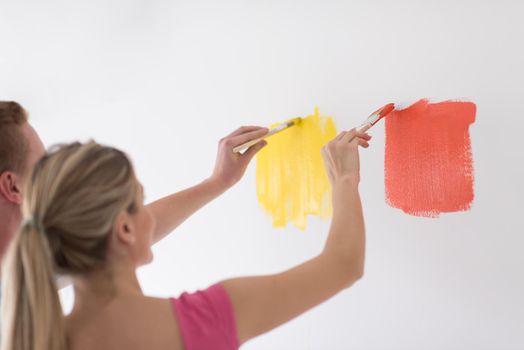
172, 210
262, 303
169, 212
346, 236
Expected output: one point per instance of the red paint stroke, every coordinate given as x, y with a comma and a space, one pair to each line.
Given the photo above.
428, 162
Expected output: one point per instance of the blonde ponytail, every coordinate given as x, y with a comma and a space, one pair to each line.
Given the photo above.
33, 317
71, 202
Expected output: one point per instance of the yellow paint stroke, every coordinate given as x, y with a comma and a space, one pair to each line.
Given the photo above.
291, 179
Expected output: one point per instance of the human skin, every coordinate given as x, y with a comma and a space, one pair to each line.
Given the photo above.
110, 310
11, 188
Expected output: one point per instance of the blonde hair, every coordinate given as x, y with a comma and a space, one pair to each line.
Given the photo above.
71, 201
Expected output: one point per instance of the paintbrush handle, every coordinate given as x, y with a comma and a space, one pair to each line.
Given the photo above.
248, 144
375, 117
273, 131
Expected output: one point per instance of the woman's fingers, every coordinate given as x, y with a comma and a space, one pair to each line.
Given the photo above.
237, 140
251, 151
340, 135
244, 129
363, 143
351, 134
348, 135
365, 136
327, 162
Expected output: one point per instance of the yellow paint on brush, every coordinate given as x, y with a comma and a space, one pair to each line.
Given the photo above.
291, 179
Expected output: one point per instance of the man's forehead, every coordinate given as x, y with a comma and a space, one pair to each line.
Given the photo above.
32, 136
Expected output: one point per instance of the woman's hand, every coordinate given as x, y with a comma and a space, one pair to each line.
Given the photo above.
341, 155
231, 166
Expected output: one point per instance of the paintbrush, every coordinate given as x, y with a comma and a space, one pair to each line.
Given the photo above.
370, 121
375, 117
272, 131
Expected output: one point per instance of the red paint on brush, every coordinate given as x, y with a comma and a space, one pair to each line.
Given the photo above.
428, 162
384, 111
387, 109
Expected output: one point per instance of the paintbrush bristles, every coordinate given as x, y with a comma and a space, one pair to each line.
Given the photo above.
295, 121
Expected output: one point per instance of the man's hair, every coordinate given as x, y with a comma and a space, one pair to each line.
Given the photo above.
13, 145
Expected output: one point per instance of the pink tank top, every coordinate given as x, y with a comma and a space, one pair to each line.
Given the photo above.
206, 319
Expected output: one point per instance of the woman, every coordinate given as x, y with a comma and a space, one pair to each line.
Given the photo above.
85, 217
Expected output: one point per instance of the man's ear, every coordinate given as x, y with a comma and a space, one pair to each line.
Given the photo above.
124, 229
10, 187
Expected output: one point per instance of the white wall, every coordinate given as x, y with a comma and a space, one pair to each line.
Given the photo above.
164, 80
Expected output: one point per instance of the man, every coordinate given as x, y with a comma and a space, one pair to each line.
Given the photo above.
20, 149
